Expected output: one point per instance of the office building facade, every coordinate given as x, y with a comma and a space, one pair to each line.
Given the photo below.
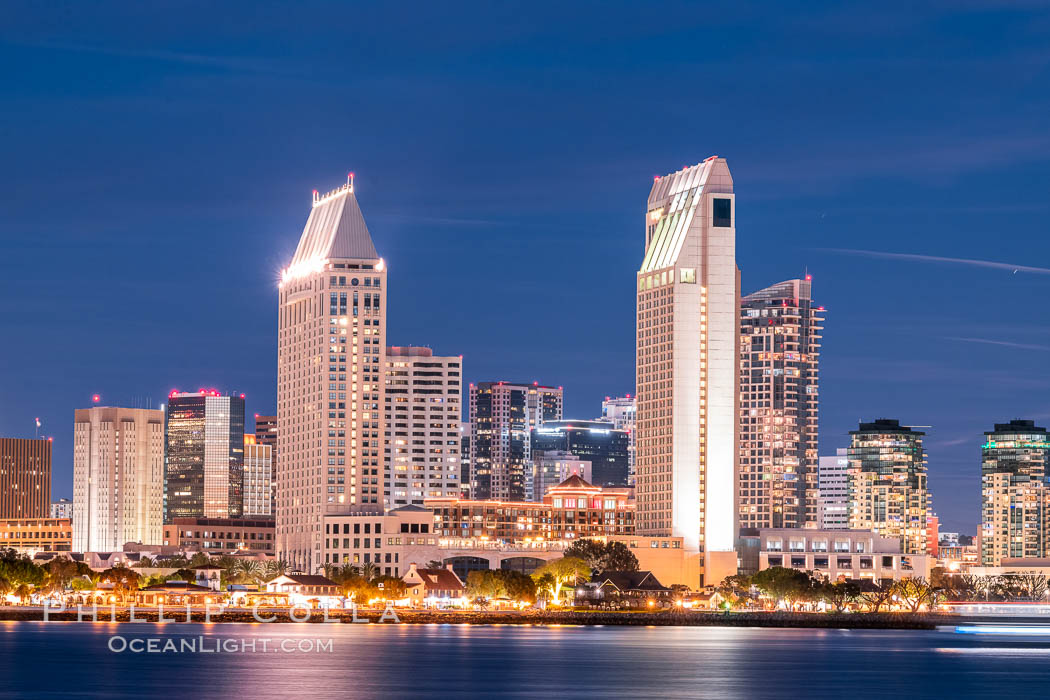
258, 478
423, 414
118, 477
688, 337
833, 485
330, 383
780, 335
606, 448
887, 483
1015, 497
502, 416
266, 434
203, 455
25, 478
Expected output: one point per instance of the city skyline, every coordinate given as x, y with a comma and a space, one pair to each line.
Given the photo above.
927, 322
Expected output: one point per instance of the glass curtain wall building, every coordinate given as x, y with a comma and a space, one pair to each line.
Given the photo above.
203, 455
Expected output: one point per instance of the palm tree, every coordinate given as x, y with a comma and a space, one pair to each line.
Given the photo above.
24, 592
249, 571
275, 568
329, 570
146, 563
200, 559
348, 571
5, 586
369, 571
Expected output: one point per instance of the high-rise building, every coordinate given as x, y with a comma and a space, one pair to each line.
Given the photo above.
118, 477
266, 434
621, 412
1015, 492
464, 460
258, 478
779, 347
552, 468
203, 455
833, 484
25, 478
422, 414
688, 337
62, 509
502, 416
330, 384
887, 483
605, 447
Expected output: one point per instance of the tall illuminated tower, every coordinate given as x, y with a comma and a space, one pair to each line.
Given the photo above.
688, 323
118, 477
330, 374
779, 350
1015, 468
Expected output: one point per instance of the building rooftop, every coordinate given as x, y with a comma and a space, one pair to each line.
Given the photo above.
336, 229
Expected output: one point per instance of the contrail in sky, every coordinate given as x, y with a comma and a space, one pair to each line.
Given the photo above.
938, 259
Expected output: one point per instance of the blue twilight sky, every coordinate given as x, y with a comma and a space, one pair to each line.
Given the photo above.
158, 158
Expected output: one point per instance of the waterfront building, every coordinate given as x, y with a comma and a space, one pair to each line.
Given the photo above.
220, 536
33, 535
620, 411
203, 455
552, 467
434, 588
604, 446
387, 540
780, 331
118, 477
25, 478
502, 416
833, 485
62, 509
688, 337
840, 554
258, 478
1015, 496
422, 418
570, 510
887, 483
330, 384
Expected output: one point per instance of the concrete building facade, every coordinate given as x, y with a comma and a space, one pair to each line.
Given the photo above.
330, 376
118, 477
840, 554
688, 337
258, 478
833, 485
422, 413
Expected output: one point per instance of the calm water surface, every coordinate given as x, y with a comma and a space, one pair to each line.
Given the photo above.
72, 660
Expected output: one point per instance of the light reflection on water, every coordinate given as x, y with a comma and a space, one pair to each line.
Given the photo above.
48, 660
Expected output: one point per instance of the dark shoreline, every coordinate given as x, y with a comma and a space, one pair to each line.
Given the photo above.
893, 621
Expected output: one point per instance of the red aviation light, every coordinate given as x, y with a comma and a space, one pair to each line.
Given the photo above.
242, 396
96, 398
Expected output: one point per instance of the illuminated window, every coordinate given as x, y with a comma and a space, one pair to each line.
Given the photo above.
687, 275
